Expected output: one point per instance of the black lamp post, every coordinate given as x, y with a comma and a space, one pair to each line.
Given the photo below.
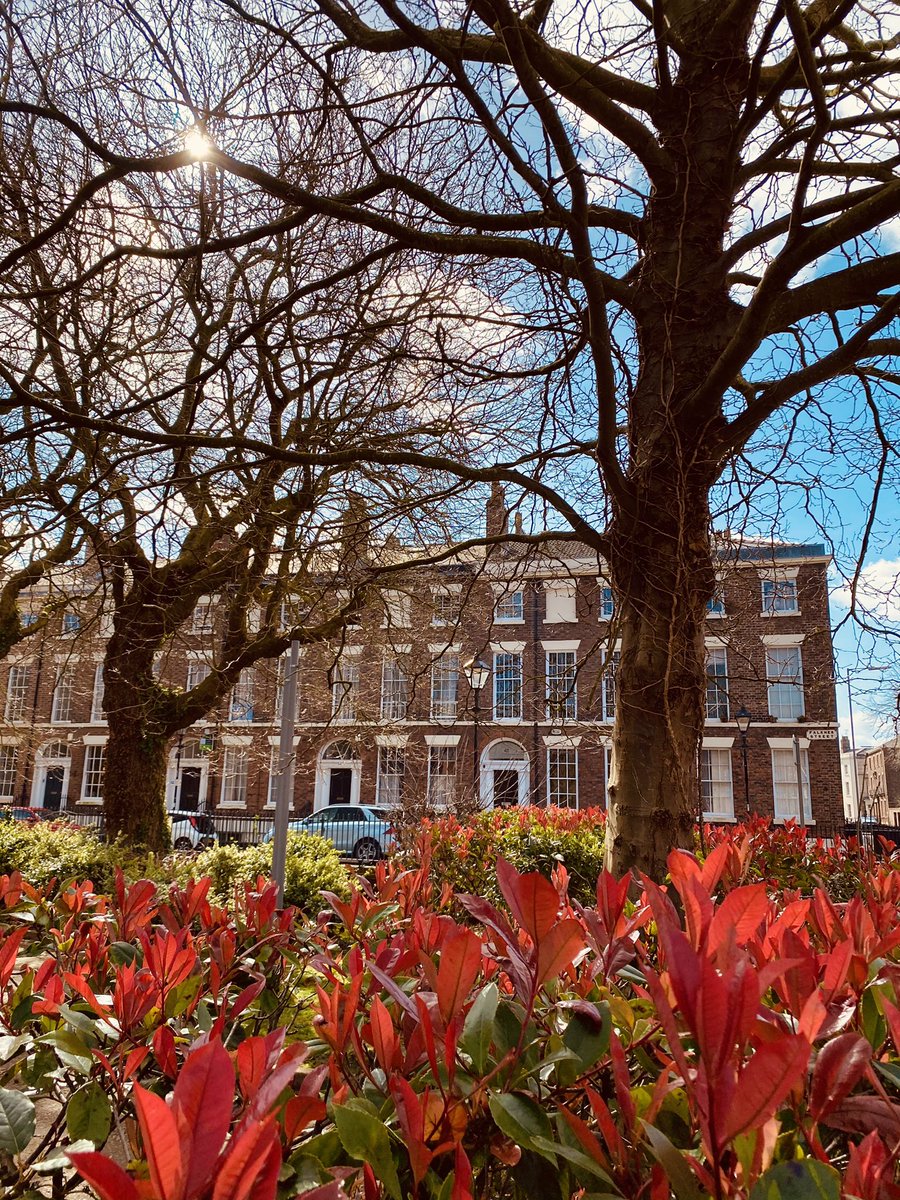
743, 720
477, 673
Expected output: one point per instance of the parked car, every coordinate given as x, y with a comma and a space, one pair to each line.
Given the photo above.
355, 830
18, 813
192, 830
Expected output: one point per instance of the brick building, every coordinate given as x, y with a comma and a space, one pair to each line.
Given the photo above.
393, 715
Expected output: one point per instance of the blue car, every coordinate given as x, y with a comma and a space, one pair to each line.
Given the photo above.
355, 830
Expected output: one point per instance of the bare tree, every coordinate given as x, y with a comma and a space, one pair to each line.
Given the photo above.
681, 212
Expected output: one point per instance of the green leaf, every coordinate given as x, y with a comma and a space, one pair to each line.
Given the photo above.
123, 954
520, 1118
680, 1176
804, 1179
16, 1121
478, 1028
577, 1157
366, 1139
59, 1158
587, 1036
890, 1071
88, 1114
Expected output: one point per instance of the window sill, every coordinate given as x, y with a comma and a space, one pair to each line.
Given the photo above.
90, 803
508, 720
719, 819
794, 612
232, 804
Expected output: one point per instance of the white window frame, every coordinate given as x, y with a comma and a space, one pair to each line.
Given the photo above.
18, 691
394, 690
512, 680
445, 687
442, 784
559, 757
63, 695
784, 781
717, 780
717, 683
607, 602
203, 618
784, 693
71, 623
449, 598
240, 698
197, 671
779, 592
509, 606
92, 773
560, 603
345, 691
391, 775
561, 686
98, 717
610, 670
9, 769
235, 777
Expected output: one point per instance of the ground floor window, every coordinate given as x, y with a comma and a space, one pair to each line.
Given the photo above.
441, 776
234, 777
391, 769
92, 782
9, 756
716, 788
787, 787
562, 777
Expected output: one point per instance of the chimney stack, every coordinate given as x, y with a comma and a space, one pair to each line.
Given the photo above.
497, 515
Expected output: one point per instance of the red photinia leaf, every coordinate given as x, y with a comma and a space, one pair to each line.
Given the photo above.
202, 1104
892, 1016
8, 952
558, 949
251, 1061
462, 1176
299, 1113
862, 1114
164, 1049
763, 1083
533, 900
162, 1143
742, 910
869, 1163
247, 1169
460, 963
411, 1119
840, 1065
713, 866
106, 1177
384, 1037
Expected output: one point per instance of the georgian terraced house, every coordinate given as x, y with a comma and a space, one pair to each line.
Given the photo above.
490, 678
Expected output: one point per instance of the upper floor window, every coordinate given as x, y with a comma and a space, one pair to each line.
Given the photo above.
509, 608
715, 605
396, 611
607, 603
234, 776
345, 690
197, 671
444, 687
562, 696
779, 595
63, 696
610, 670
71, 624
394, 698
561, 603
240, 701
18, 691
445, 608
716, 684
784, 672
507, 687
27, 619
97, 713
203, 620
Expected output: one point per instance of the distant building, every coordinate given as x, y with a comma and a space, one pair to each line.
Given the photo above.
390, 715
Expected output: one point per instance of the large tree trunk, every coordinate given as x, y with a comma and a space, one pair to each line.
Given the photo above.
662, 586
134, 784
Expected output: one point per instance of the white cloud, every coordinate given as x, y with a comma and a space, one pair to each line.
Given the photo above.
877, 590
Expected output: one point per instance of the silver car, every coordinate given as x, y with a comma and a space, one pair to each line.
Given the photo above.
355, 830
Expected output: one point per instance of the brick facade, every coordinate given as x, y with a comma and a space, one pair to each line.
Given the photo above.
542, 623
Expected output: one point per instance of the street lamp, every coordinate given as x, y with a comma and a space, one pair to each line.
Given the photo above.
477, 674
743, 719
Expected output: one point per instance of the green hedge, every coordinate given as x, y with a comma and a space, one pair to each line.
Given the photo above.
51, 850
312, 866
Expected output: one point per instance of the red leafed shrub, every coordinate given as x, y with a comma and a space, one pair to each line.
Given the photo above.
707, 1037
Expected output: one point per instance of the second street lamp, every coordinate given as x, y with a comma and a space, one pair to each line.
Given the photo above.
743, 719
477, 674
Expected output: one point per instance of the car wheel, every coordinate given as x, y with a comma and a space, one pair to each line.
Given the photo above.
184, 843
367, 850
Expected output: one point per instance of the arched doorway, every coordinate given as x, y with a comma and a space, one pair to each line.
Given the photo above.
504, 774
52, 766
338, 774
